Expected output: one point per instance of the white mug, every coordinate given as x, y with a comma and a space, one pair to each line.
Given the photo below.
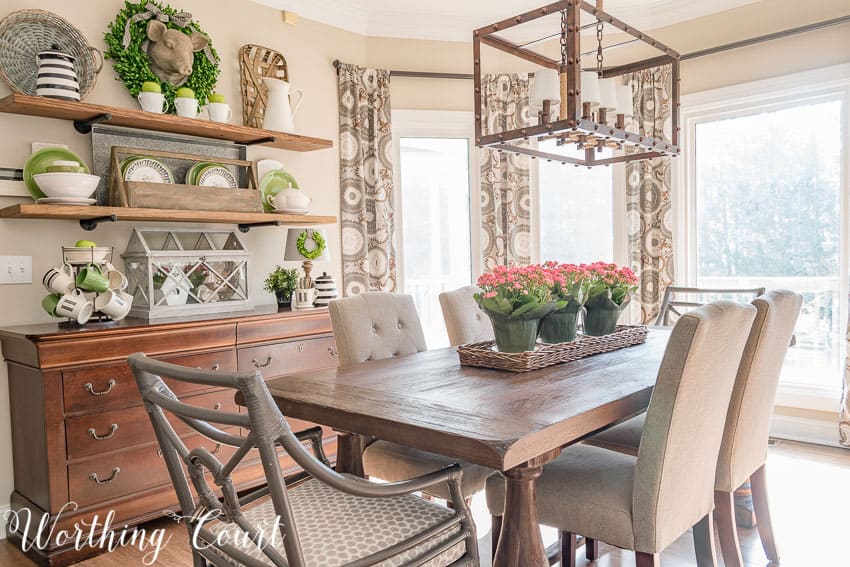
59, 280
117, 280
186, 107
289, 199
74, 305
112, 304
219, 112
152, 102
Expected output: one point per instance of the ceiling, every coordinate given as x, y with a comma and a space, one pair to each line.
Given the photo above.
454, 20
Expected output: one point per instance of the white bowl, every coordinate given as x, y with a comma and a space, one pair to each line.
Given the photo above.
83, 256
67, 185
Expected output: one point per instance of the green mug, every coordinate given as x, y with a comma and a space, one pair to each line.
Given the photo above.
50, 302
92, 278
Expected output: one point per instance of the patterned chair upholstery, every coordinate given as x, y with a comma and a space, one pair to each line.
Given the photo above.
322, 519
645, 503
376, 325
743, 453
465, 321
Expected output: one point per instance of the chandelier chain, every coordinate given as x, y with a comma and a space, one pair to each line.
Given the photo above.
563, 38
599, 26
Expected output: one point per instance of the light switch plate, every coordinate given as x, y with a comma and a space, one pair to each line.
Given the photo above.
15, 269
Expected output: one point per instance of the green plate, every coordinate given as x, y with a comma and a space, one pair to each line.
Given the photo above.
273, 183
38, 162
195, 171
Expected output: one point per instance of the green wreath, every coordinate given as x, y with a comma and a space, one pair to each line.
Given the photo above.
318, 239
131, 63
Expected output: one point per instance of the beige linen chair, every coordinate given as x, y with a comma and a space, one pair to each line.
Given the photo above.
645, 503
465, 321
743, 452
376, 325
324, 519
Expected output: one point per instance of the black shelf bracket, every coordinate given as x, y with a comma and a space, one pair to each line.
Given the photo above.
266, 140
246, 227
84, 126
91, 224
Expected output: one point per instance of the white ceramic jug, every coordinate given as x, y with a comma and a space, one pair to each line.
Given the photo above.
280, 113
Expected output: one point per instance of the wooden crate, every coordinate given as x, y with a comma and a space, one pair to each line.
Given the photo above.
177, 196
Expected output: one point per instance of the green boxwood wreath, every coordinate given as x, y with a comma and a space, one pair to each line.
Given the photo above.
318, 239
131, 64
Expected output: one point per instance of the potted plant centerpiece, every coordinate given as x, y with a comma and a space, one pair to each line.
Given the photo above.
570, 285
516, 299
282, 282
609, 291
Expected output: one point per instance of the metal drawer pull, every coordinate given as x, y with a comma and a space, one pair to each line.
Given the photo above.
112, 429
261, 364
332, 352
90, 389
217, 406
300, 348
114, 475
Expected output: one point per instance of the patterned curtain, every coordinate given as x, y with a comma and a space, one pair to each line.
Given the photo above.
505, 181
648, 185
366, 180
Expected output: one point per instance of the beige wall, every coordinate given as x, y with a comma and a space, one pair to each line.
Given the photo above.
309, 48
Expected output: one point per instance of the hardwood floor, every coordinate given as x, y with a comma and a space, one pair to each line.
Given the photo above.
809, 500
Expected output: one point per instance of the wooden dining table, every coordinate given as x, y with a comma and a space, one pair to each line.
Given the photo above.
511, 422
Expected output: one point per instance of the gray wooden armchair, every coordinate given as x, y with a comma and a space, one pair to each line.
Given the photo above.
326, 520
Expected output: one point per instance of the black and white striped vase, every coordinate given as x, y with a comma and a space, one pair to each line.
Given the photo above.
325, 289
56, 75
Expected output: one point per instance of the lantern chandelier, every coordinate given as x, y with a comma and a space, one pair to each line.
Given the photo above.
593, 105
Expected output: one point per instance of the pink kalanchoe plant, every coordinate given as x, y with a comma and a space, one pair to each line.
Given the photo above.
616, 282
519, 292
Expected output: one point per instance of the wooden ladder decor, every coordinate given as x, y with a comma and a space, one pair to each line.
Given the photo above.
255, 63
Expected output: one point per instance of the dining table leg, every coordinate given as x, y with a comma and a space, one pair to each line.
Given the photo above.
349, 453
520, 542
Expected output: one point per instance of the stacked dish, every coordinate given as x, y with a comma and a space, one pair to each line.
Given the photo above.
145, 169
210, 174
57, 176
279, 190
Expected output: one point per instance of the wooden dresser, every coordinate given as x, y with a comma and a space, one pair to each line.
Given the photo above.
80, 434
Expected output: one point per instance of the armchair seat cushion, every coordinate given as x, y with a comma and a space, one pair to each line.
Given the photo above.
586, 490
623, 438
394, 462
336, 528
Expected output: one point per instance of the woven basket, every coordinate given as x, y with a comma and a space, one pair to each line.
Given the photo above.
484, 354
255, 63
23, 34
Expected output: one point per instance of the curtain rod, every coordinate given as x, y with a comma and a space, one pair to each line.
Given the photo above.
693, 55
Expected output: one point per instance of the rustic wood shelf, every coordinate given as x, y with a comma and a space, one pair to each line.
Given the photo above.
84, 114
89, 217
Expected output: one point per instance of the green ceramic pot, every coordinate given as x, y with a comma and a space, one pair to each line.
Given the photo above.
560, 326
514, 335
601, 314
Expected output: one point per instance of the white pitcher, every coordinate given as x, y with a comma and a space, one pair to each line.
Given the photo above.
280, 112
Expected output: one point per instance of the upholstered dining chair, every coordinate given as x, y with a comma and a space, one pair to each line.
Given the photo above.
376, 325
325, 520
645, 503
465, 321
743, 453
678, 299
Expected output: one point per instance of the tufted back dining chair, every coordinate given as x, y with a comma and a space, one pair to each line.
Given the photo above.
376, 325
465, 321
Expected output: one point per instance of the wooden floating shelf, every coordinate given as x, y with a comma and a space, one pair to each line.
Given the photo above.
71, 212
96, 113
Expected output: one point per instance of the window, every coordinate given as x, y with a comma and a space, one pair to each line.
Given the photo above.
434, 179
576, 209
765, 208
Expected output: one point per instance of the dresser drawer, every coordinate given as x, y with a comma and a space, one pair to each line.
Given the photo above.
106, 431
113, 386
286, 358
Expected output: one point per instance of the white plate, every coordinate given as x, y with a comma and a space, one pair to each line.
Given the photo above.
291, 211
148, 170
266, 165
65, 201
216, 176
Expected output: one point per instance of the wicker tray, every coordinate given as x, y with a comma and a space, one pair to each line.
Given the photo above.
483, 354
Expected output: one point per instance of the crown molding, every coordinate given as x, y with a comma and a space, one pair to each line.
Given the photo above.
457, 25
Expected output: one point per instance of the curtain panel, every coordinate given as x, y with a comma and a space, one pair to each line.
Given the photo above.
366, 180
844, 419
649, 212
505, 191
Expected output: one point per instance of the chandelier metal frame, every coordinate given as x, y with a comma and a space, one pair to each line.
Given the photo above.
576, 122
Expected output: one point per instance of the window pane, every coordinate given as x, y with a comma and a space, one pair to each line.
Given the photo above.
436, 226
768, 214
576, 209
